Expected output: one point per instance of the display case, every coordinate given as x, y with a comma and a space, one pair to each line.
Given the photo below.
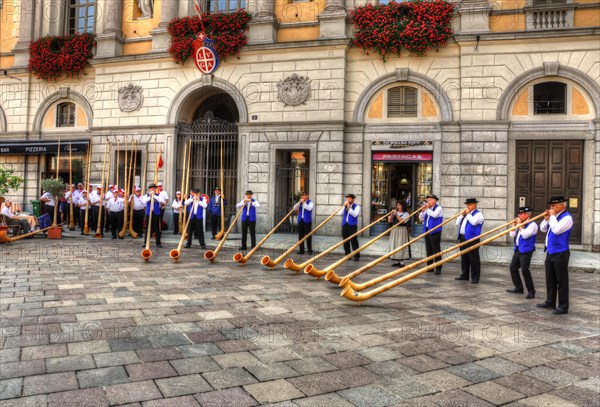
424, 181
380, 190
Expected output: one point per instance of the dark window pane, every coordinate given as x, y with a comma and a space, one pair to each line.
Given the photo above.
549, 98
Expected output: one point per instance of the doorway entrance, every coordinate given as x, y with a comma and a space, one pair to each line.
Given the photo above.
292, 171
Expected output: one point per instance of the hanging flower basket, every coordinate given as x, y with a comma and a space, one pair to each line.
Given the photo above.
53, 56
418, 26
226, 29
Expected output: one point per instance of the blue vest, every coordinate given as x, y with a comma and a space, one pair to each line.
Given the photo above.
251, 216
307, 214
352, 221
215, 209
470, 230
433, 222
525, 245
156, 207
199, 211
559, 243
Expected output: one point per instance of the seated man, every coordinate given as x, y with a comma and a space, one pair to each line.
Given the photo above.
14, 220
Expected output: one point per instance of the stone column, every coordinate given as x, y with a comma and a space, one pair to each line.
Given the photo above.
264, 25
332, 20
160, 36
26, 24
110, 39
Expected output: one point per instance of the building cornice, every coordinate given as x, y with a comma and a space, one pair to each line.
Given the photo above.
493, 36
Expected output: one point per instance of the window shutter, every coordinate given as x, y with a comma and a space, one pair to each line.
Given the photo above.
402, 102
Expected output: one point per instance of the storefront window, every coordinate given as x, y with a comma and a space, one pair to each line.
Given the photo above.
77, 166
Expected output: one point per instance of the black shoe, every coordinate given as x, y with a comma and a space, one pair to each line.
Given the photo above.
187, 246
514, 291
114, 237
530, 295
544, 305
474, 281
460, 278
559, 311
437, 272
242, 248
203, 247
159, 245
310, 252
356, 258
396, 264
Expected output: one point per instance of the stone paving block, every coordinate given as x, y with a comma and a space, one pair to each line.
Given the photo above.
183, 385
494, 393
20, 369
577, 369
272, 371
116, 358
591, 384
119, 345
184, 401
310, 365
235, 397
458, 398
132, 392
452, 356
473, 373
275, 355
391, 369
49, 383
379, 354
195, 365
10, 355
354, 377
225, 378
155, 355
318, 383
67, 363
106, 376
536, 356
168, 340
546, 400
152, 370
76, 398
553, 377
33, 401
407, 387
273, 391
10, 388
328, 400
43, 352
501, 366
423, 363
239, 359
524, 384
442, 380
577, 395
239, 345
370, 395
343, 360
85, 348
199, 349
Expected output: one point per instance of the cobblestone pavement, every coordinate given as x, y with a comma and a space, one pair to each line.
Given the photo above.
86, 323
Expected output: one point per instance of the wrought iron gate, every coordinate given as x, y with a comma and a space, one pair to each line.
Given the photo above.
292, 179
206, 136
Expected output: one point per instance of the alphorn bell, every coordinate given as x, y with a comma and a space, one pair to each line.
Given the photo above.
318, 273
266, 261
175, 253
71, 216
100, 226
359, 287
5, 239
289, 263
350, 294
219, 235
334, 278
239, 258
211, 255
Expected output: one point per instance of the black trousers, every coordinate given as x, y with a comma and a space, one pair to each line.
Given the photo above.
432, 246
245, 226
162, 215
106, 220
116, 222
522, 260
50, 211
304, 228
215, 221
470, 262
195, 227
82, 218
155, 228
347, 231
557, 279
138, 221
175, 223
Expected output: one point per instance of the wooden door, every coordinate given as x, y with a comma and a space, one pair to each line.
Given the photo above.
550, 168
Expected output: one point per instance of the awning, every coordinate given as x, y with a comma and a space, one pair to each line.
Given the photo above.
42, 147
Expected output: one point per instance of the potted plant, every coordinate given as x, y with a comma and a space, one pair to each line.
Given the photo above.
8, 182
56, 187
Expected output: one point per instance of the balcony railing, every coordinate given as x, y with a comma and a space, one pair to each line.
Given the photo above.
549, 17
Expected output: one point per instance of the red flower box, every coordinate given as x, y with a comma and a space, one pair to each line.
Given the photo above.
52, 56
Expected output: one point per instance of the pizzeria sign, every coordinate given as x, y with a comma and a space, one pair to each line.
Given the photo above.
42, 147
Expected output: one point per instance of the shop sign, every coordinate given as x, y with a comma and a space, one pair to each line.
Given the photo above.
42, 147
379, 145
406, 156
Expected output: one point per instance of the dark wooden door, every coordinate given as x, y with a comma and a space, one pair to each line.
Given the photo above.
550, 168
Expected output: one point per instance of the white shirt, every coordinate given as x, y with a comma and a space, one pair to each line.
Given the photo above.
253, 203
165, 197
138, 202
49, 197
201, 202
438, 212
474, 220
307, 207
351, 212
82, 202
94, 198
529, 230
157, 198
557, 227
115, 204
6, 211
76, 195
176, 205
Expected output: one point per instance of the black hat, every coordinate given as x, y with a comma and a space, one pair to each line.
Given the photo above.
248, 192
557, 199
217, 188
471, 200
350, 196
153, 185
524, 209
432, 196
196, 190
304, 193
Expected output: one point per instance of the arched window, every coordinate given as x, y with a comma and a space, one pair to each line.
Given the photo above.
402, 102
550, 98
65, 115
81, 16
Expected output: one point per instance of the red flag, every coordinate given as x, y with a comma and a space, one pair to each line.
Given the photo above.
160, 161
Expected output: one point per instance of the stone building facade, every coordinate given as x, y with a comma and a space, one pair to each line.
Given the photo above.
508, 112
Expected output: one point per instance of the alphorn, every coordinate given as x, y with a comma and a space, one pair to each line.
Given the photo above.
359, 287
132, 232
239, 258
56, 198
71, 216
266, 261
175, 253
211, 255
290, 264
5, 239
318, 273
183, 172
147, 253
219, 235
126, 185
187, 179
100, 226
86, 227
334, 278
350, 294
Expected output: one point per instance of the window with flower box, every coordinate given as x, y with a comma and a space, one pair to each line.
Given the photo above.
81, 16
